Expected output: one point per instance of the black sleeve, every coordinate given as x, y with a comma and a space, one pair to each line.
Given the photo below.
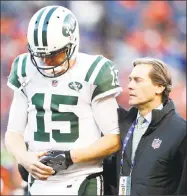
23, 172
182, 187
109, 175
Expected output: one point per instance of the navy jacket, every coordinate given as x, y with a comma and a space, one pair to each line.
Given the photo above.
161, 156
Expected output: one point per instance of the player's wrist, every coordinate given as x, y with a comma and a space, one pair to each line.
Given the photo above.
68, 157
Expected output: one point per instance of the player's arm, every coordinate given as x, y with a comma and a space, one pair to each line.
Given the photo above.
14, 139
105, 113
103, 74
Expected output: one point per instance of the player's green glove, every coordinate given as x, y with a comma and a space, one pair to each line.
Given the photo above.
57, 159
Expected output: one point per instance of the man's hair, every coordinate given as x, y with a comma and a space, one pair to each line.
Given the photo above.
160, 74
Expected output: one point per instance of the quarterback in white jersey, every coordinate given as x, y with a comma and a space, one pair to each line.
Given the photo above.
63, 100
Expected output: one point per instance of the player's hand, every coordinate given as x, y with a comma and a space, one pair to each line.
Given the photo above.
57, 159
37, 169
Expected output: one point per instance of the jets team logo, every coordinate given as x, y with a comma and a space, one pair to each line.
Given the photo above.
75, 86
69, 25
156, 143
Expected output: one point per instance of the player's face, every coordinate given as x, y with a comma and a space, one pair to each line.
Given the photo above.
54, 60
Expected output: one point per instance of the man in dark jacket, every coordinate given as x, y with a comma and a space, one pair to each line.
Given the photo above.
154, 152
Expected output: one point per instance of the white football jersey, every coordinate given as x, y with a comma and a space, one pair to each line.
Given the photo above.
59, 109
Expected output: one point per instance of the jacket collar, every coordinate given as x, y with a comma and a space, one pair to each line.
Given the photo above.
157, 115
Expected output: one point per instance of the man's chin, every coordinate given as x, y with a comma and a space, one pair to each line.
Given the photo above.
133, 103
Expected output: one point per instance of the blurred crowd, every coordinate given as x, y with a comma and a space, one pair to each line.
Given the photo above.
119, 30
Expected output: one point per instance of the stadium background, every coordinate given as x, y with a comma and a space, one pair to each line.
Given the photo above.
120, 30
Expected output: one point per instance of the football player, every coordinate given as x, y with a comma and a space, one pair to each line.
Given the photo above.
64, 107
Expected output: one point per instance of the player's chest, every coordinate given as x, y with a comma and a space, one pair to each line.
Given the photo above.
62, 85
58, 91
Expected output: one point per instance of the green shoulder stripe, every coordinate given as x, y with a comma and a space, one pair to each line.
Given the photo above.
106, 80
13, 77
92, 68
23, 68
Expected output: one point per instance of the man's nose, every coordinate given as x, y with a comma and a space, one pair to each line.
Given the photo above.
130, 85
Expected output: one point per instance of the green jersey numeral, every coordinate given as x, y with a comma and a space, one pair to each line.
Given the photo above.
56, 100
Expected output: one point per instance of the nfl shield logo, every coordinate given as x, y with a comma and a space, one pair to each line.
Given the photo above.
54, 83
156, 143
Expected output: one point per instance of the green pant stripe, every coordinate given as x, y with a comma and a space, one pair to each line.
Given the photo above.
92, 68
45, 25
93, 186
36, 27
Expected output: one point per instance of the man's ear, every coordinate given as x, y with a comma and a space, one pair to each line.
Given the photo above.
159, 89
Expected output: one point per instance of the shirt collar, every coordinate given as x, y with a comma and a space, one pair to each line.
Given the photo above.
148, 116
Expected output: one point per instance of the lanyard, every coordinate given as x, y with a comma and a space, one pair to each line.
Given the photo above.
125, 141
